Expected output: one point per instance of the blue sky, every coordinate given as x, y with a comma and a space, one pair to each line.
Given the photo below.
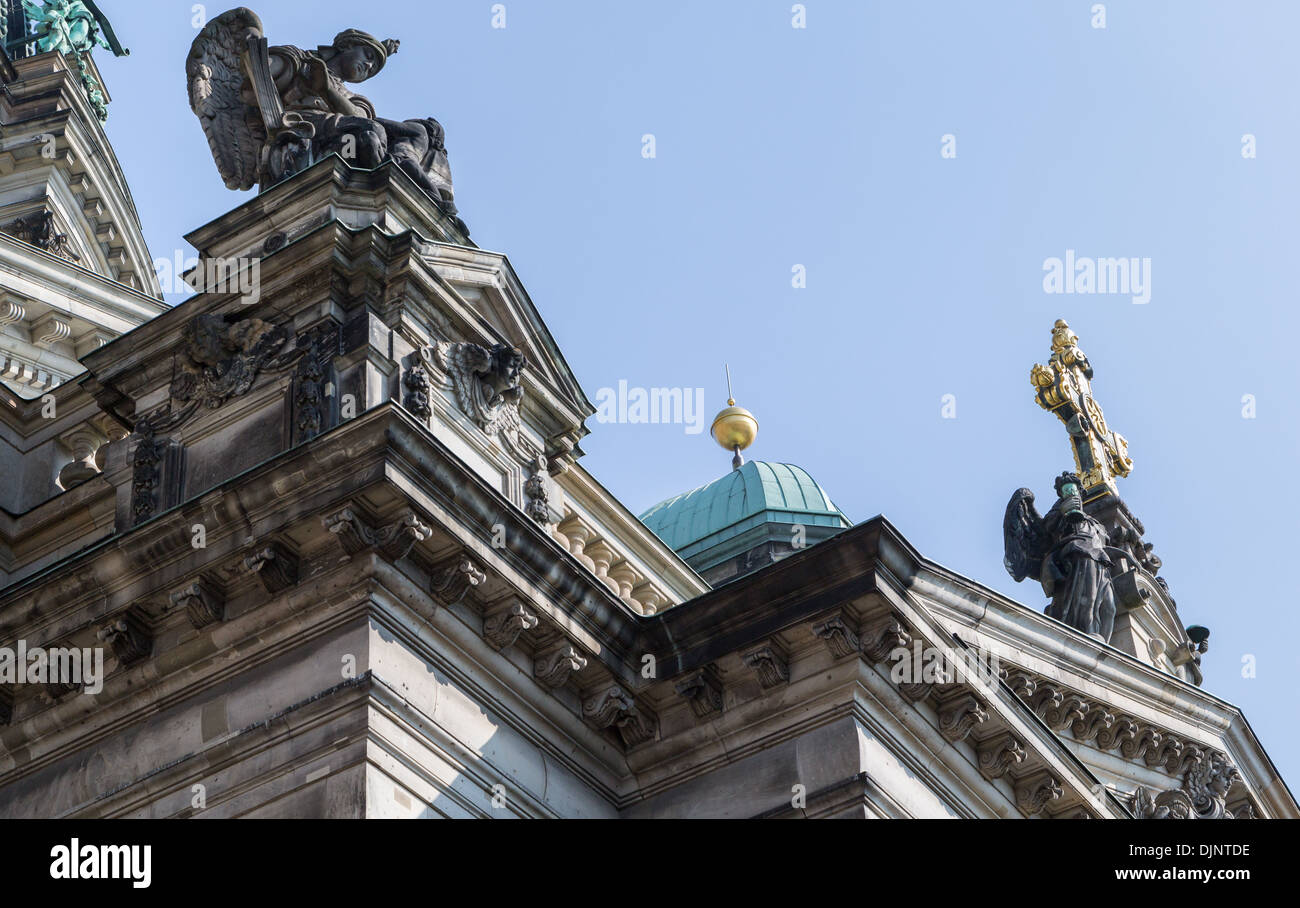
820, 147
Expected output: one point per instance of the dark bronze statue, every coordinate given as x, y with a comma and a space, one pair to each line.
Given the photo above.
1067, 552
270, 112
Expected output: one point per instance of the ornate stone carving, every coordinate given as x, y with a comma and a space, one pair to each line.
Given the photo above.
838, 637
1147, 740
1022, 684
395, 539
1203, 795
998, 754
416, 382
1092, 723
958, 716
1063, 715
455, 578
202, 601
486, 381
882, 637
1119, 733
539, 489
1066, 551
275, 565
554, 668
615, 707
703, 688
128, 635
770, 663
222, 357
38, 229
146, 462
272, 111
319, 345
502, 627
1034, 792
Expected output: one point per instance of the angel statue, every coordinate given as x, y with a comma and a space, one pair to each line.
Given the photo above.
75, 28
1067, 552
270, 112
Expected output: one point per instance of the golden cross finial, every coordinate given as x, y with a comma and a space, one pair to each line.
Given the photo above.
1064, 387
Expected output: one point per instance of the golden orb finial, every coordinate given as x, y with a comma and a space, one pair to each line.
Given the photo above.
735, 428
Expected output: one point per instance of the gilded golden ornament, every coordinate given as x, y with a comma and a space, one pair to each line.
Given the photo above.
735, 428
1064, 387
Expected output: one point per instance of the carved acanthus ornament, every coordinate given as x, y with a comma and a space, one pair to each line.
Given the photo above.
839, 638
554, 668
395, 539
502, 626
455, 578
202, 602
275, 565
770, 663
703, 690
614, 707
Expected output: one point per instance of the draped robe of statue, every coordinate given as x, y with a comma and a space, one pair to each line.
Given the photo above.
1076, 571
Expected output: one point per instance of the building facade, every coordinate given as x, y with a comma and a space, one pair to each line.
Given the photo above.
341, 558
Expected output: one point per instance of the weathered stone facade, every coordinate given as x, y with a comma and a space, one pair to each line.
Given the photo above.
342, 560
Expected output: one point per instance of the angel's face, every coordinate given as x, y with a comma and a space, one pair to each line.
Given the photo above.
358, 63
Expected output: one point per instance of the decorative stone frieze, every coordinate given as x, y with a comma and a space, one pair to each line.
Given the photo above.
1203, 794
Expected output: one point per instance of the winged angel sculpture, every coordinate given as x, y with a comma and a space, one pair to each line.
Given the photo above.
270, 112
1067, 552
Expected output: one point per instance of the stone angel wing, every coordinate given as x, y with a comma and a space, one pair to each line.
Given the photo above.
1024, 537
464, 362
216, 76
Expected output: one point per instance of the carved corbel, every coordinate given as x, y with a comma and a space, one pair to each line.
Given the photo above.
1123, 730
615, 707
839, 638
1145, 745
503, 625
129, 636
455, 578
1168, 752
1036, 791
395, 540
275, 565
771, 663
202, 602
959, 716
1022, 683
1059, 716
882, 637
554, 668
998, 754
703, 689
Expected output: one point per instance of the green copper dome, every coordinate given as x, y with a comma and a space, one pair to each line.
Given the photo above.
727, 517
